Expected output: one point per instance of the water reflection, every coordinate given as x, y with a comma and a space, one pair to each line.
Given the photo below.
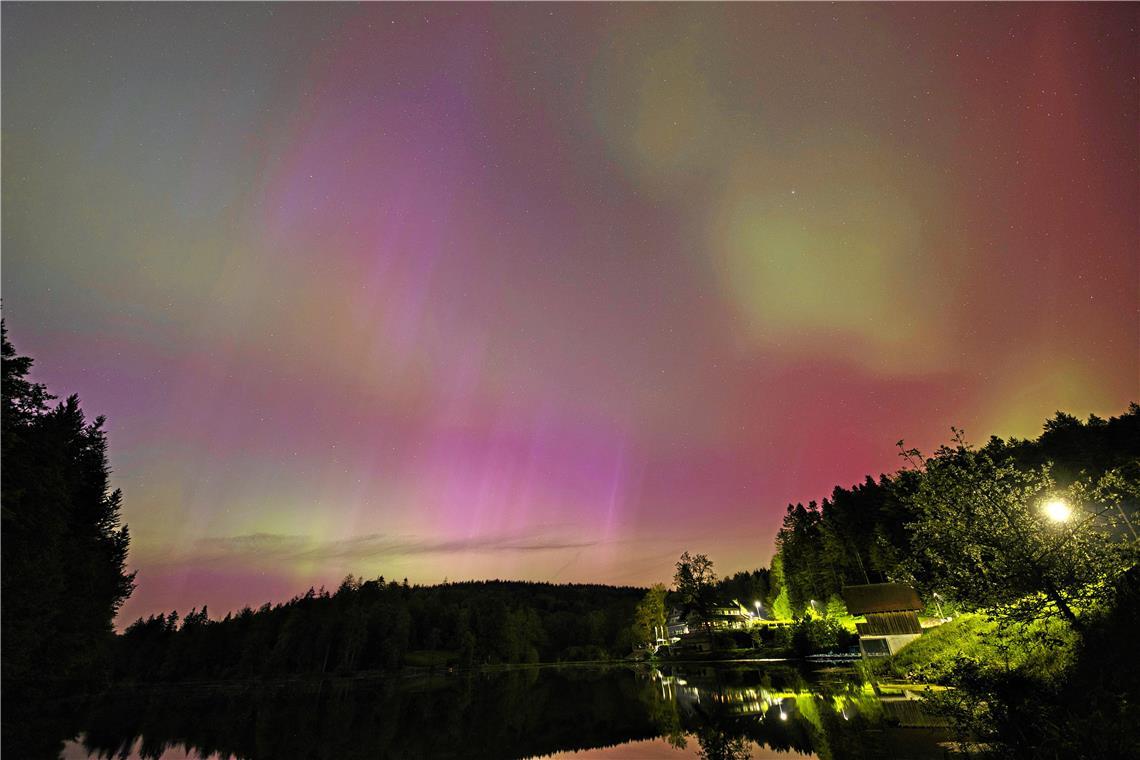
828, 714
719, 713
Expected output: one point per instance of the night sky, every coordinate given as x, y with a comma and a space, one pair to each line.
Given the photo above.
554, 291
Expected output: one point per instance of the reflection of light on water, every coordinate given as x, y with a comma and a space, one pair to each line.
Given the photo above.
660, 749
731, 708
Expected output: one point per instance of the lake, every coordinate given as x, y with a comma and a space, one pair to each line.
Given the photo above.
726, 710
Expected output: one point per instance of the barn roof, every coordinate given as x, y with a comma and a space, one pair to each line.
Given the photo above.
880, 597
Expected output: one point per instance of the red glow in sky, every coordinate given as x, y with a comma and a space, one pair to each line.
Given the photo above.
553, 291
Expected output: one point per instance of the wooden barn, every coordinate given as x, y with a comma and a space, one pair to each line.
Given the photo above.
891, 610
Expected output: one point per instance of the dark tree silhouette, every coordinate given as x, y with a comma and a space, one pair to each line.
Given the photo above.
379, 625
695, 580
64, 551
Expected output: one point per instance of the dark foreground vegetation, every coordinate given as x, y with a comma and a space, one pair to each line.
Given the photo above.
64, 551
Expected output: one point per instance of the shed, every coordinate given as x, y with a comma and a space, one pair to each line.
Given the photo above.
891, 610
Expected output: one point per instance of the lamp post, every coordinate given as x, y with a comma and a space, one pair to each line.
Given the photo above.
757, 603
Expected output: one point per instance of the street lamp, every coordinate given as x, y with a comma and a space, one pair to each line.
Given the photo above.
1057, 510
757, 603
1060, 511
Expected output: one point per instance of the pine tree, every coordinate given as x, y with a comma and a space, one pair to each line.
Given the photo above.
64, 551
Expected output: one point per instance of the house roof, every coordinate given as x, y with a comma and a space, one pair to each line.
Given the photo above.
880, 597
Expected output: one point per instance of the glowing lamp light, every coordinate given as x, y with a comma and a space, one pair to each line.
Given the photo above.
1057, 510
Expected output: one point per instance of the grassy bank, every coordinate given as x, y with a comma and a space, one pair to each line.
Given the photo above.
1041, 649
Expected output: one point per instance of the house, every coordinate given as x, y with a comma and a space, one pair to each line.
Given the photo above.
730, 617
727, 617
677, 626
686, 631
891, 610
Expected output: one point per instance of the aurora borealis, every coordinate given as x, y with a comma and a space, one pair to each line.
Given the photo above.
553, 291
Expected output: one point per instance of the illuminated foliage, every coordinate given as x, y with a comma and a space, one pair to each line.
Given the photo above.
780, 604
981, 534
869, 532
649, 616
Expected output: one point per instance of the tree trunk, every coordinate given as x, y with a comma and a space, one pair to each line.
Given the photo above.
1062, 605
862, 569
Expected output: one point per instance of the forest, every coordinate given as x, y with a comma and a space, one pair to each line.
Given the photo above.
882, 529
379, 625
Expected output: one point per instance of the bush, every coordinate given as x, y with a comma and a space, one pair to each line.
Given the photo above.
1039, 691
734, 640
815, 636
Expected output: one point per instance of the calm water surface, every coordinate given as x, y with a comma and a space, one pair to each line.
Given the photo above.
633, 713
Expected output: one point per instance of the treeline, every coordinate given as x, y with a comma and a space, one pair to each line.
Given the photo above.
866, 533
379, 625
747, 587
